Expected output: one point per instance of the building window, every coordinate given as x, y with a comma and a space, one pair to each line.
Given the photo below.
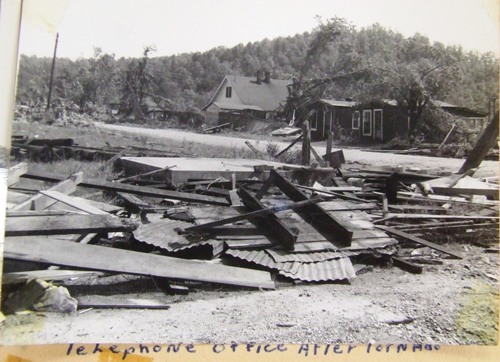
314, 121
355, 120
229, 91
367, 122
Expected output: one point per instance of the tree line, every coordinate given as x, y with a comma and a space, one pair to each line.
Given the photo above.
372, 62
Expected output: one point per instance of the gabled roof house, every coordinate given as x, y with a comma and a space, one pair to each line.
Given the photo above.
241, 98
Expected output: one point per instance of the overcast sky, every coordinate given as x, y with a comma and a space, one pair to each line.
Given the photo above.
125, 27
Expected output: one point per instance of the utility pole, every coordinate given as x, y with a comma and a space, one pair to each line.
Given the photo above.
52, 75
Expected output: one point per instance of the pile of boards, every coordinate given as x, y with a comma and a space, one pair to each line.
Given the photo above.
55, 149
250, 224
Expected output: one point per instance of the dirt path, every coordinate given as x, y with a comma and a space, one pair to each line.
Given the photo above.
488, 168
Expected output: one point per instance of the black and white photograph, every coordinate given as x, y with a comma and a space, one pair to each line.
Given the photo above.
252, 172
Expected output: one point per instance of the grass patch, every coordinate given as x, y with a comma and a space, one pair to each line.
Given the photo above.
477, 321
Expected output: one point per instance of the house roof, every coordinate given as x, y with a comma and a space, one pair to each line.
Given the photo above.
236, 107
337, 103
264, 96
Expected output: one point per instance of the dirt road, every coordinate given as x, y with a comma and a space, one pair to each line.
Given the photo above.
488, 168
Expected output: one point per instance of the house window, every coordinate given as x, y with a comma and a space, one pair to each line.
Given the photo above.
367, 122
314, 121
229, 91
355, 120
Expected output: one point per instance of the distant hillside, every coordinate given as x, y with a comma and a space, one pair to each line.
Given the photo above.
186, 81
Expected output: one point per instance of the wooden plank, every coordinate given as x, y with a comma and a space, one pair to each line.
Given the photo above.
289, 146
67, 224
493, 193
253, 214
269, 223
76, 204
322, 219
15, 173
40, 202
438, 217
94, 257
136, 190
23, 277
118, 302
146, 174
419, 240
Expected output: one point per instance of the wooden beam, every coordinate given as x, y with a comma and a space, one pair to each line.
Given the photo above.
58, 252
322, 219
136, 190
40, 202
67, 224
329, 142
253, 214
318, 158
264, 188
289, 146
406, 265
487, 140
256, 151
269, 223
419, 240
306, 144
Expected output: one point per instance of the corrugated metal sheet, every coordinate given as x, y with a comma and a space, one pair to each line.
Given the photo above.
338, 269
328, 270
160, 233
283, 257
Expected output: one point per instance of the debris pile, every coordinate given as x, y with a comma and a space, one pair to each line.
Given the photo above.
240, 223
55, 149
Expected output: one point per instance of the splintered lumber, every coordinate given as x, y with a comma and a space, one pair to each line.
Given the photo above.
40, 201
483, 145
66, 224
137, 190
15, 173
272, 224
250, 215
322, 219
94, 257
289, 146
419, 240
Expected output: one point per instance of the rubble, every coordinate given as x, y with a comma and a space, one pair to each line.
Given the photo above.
239, 223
